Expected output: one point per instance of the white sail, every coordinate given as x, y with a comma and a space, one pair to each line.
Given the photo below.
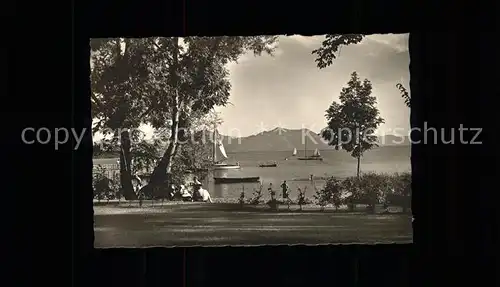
294, 151
219, 150
316, 152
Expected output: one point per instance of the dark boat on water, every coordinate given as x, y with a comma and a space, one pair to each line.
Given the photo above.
219, 180
311, 158
273, 164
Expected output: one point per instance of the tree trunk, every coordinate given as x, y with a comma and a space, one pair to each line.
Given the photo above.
162, 172
125, 167
359, 160
164, 167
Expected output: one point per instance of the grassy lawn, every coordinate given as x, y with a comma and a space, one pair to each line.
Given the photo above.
191, 224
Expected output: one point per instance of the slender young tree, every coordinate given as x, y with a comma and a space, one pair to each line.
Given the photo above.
352, 123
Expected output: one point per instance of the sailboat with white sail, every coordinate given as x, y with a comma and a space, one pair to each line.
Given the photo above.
294, 152
316, 155
219, 154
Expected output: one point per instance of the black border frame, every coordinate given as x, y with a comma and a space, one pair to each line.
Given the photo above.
443, 76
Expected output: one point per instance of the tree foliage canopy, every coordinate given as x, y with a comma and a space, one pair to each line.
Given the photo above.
119, 77
194, 70
134, 80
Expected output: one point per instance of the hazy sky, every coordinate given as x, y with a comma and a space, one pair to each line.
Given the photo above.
288, 90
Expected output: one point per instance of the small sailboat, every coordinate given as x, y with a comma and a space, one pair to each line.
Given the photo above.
220, 156
294, 152
315, 156
316, 153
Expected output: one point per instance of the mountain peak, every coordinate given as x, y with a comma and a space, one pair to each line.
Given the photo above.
277, 139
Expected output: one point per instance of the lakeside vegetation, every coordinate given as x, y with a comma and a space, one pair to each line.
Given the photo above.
370, 190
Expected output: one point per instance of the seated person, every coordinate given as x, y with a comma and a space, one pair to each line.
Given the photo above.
201, 194
184, 193
173, 192
205, 196
196, 182
138, 182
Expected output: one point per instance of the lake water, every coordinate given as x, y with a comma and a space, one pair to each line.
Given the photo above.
388, 159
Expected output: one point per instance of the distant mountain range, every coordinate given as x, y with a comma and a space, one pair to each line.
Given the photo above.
281, 139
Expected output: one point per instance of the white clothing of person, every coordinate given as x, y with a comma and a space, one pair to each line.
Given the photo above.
172, 190
184, 192
138, 182
205, 195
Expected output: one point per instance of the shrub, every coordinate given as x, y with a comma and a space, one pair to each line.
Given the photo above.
301, 200
400, 194
401, 183
351, 186
116, 186
273, 203
334, 187
102, 184
373, 189
331, 193
241, 200
369, 189
257, 195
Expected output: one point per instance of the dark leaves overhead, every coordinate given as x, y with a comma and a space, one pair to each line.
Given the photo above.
133, 80
404, 94
331, 46
119, 78
203, 79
